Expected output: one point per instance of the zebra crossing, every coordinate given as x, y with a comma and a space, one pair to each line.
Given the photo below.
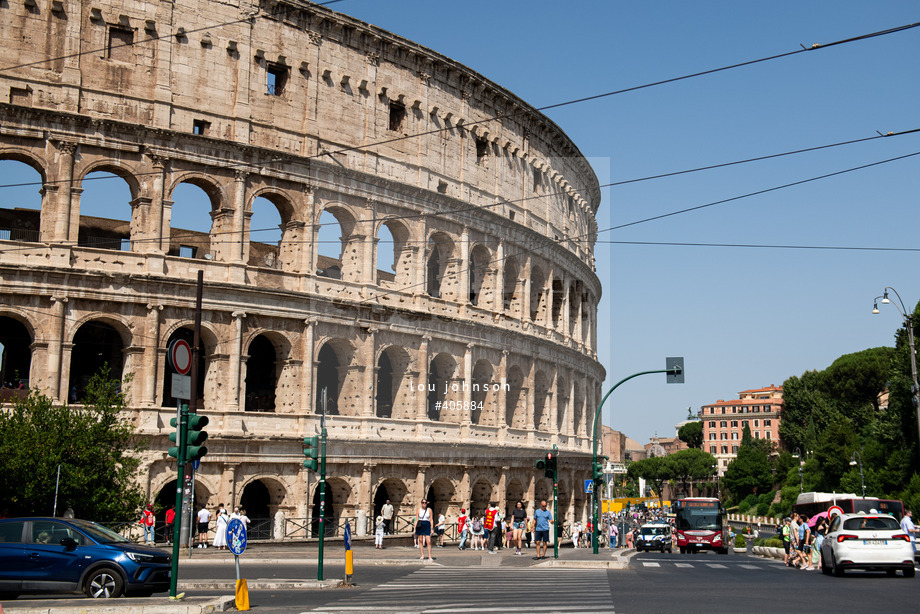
701, 565
441, 590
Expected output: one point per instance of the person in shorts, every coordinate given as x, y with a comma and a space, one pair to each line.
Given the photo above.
204, 518
518, 521
543, 520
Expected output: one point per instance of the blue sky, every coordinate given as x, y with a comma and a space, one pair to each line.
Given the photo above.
742, 317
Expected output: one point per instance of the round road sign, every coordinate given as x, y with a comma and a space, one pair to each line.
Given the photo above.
180, 356
834, 509
236, 536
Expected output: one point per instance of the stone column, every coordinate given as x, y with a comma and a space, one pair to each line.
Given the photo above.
418, 493
370, 374
565, 306
240, 247
422, 387
463, 292
525, 299
307, 366
160, 205
554, 407
530, 389
308, 250
467, 384
60, 218
570, 415
234, 401
56, 389
151, 355
499, 299
501, 419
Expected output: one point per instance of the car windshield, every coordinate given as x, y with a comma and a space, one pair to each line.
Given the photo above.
654, 530
702, 519
871, 523
99, 533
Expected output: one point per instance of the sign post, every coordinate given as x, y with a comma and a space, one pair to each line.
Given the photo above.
236, 542
349, 560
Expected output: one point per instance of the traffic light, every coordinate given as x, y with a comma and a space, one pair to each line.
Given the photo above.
550, 465
598, 469
174, 437
311, 451
196, 436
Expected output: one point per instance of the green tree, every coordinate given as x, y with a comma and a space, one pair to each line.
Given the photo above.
653, 470
692, 434
688, 466
93, 445
750, 472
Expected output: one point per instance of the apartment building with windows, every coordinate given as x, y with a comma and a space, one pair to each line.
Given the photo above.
760, 409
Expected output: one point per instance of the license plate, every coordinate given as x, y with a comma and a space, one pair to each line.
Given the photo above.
875, 542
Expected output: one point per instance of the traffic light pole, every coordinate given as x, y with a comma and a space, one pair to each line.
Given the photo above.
675, 369
180, 484
322, 492
555, 524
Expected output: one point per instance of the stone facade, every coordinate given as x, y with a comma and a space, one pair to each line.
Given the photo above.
491, 300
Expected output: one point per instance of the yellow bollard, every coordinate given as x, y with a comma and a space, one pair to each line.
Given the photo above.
242, 595
349, 566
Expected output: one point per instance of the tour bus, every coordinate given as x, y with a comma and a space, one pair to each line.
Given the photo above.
700, 524
811, 503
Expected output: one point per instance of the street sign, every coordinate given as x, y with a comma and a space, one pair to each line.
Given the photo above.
180, 356
236, 536
675, 369
196, 463
181, 386
589, 487
834, 509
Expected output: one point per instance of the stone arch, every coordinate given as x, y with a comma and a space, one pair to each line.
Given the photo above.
480, 274
350, 261
541, 407
16, 338
562, 394
543, 489
335, 374
511, 293
441, 495
441, 276
397, 492
116, 167
394, 399
18, 220
481, 493
272, 247
401, 275
209, 369
188, 236
537, 294
558, 294
574, 307
514, 492
96, 341
483, 395
339, 505
441, 373
515, 399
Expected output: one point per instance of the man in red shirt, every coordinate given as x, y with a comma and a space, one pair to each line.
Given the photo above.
170, 520
461, 527
491, 526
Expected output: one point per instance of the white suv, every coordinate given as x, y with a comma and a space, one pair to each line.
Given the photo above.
866, 541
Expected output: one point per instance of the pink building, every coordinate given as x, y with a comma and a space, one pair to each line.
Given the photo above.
723, 421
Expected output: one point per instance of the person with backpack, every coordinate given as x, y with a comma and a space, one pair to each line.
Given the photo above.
462, 528
492, 524
477, 528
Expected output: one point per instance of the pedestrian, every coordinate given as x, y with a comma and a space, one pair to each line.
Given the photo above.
441, 528
220, 531
509, 532
387, 512
423, 529
576, 533
908, 526
379, 528
787, 541
148, 521
518, 519
477, 530
170, 524
542, 521
820, 531
204, 517
529, 525
613, 534
804, 544
462, 528
493, 526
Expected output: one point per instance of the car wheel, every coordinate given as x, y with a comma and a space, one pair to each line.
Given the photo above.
824, 568
104, 583
836, 569
891, 572
909, 572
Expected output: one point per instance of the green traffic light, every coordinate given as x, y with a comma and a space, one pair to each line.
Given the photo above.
311, 451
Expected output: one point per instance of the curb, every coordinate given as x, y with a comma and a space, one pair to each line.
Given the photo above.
145, 605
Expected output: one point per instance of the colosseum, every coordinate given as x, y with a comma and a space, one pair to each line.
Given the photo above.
451, 322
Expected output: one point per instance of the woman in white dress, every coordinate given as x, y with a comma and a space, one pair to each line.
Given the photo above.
220, 533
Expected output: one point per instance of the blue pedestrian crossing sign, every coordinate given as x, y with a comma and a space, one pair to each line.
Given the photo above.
236, 536
589, 486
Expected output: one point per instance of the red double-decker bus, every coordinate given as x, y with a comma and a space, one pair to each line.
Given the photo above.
700, 523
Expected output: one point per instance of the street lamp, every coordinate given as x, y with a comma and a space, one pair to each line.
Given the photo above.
798, 454
853, 464
908, 322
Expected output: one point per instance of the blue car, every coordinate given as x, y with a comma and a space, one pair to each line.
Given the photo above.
45, 555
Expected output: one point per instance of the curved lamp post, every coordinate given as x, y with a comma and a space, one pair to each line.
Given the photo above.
853, 463
908, 322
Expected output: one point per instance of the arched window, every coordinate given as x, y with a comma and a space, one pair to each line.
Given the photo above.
105, 212
21, 203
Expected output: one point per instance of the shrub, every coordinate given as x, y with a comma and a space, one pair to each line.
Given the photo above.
743, 507
763, 508
739, 541
774, 542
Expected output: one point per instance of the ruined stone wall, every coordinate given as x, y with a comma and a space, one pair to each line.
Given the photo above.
492, 223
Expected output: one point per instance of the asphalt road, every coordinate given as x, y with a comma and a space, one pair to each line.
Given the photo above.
652, 583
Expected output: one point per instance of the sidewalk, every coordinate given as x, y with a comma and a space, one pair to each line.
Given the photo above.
450, 555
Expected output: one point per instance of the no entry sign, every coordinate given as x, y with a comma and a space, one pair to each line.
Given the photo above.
180, 356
